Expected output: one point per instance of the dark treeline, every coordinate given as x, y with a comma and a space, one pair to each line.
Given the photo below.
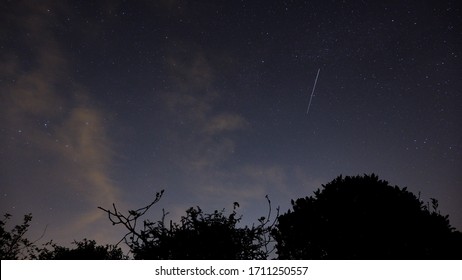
358, 217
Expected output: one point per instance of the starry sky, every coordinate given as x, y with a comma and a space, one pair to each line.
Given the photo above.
107, 102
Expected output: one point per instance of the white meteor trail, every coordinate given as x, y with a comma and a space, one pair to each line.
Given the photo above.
312, 91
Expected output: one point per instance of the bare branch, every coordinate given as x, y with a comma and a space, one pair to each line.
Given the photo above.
130, 221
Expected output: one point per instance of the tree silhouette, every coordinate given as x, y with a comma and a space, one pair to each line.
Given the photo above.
198, 235
358, 217
363, 217
13, 243
85, 250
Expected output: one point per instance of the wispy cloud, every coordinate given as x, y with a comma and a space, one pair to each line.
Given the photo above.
49, 123
225, 122
204, 137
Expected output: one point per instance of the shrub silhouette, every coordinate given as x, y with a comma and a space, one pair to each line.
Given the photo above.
198, 236
13, 243
358, 217
85, 250
363, 217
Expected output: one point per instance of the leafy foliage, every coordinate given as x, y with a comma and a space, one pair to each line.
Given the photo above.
365, 218
13, 243
14, 246
85, 250
358, 217
198, 235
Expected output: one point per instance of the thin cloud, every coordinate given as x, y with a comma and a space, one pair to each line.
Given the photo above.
203, 137
225, 123
49, 123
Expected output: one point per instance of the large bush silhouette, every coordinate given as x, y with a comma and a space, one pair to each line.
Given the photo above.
363, 217
14, 245
85, 250
358, 217
198, 235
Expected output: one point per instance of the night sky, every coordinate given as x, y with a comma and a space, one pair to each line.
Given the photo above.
113, 101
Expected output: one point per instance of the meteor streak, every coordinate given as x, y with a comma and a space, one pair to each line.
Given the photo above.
312, 92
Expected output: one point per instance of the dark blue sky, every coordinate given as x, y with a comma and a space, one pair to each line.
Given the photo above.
116, 100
